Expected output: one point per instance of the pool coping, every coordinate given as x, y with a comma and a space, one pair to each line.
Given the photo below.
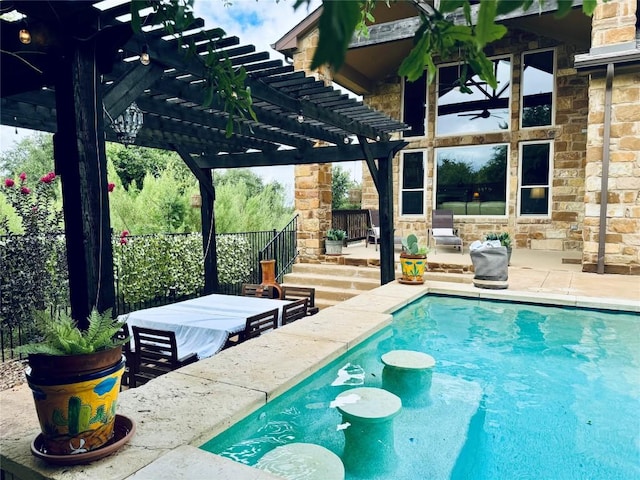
180, 411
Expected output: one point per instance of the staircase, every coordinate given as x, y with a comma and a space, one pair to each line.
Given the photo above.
333, 283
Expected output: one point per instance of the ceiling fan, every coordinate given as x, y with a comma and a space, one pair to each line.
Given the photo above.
483, 114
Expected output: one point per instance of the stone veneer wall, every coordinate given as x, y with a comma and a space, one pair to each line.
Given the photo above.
312, 197
563, 231
614, 23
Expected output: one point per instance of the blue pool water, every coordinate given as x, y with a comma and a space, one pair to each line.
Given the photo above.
518, 392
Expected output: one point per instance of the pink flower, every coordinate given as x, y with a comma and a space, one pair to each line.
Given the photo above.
47, 178
8, 182
23, 176
124, 233
111, 186
25, 191
123, 241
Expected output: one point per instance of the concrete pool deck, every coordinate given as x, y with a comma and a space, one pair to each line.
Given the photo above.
178, 412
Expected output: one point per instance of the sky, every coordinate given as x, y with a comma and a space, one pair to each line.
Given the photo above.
257, 22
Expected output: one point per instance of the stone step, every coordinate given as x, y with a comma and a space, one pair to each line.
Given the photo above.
337, 283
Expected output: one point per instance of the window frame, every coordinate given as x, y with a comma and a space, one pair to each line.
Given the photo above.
506, 186
549, 184
553, 91
425, 122
401, 188
510, 128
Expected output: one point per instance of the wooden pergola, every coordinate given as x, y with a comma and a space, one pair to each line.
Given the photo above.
81, 71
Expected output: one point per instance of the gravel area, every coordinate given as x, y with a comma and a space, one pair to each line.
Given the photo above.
12, 374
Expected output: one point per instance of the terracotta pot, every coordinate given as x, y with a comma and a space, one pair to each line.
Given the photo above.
268, 268
413, 267
76, 398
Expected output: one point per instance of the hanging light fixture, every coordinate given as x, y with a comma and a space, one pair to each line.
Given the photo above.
145, 59
24, 36
128, 124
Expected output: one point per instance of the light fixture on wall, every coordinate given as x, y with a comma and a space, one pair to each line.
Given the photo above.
300, 117
145, 59
537, 192
128, 124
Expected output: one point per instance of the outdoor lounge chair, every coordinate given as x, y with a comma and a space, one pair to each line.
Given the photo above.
442, 231
373, 231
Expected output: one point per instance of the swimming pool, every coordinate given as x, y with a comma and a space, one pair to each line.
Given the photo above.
518, 391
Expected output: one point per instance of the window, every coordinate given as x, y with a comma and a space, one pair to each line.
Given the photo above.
414, 106
472, 180
538, 82
473, 107
412, 189
535, 177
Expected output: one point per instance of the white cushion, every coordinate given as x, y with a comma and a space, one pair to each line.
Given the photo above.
443, 232
376, 231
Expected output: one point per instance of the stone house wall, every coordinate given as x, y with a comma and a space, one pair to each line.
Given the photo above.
614, 23
563, 230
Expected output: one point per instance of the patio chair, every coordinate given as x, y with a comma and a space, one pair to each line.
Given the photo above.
294, 311
256, 325
442, 231
260, 291
293, 292
156, 353
373, 231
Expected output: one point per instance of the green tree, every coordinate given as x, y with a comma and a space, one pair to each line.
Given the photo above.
32, 155
133, 163
341, 183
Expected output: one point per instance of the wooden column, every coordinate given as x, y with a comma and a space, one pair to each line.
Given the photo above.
211, 284
385, 197
79, 151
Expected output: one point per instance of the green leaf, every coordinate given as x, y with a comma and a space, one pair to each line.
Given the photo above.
337, 23
589, 6
564, 7
136, 5
450, 5
485, 25
507, 6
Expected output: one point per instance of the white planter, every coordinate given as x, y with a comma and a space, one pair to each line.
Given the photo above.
333, 247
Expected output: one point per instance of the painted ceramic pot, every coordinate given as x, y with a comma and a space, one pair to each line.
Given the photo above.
76, 410
413, 267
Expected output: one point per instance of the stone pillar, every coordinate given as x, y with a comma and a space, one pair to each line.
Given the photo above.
614, 24
312, 182
313, 205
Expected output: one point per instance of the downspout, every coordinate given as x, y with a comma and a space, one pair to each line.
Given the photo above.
604, 186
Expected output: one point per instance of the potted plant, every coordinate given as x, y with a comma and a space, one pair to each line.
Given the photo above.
413, 260
505, 241
75, 379
334, 241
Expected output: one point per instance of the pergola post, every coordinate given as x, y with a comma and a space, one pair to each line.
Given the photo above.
385, 199
80, 160
211, 283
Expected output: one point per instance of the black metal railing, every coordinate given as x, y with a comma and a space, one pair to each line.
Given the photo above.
354, 222
283, 248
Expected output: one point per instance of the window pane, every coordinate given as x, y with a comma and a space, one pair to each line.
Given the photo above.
475, 107
472, 180
534, 201
537, 88
535, 164
412, 202
414, 106
413, 171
